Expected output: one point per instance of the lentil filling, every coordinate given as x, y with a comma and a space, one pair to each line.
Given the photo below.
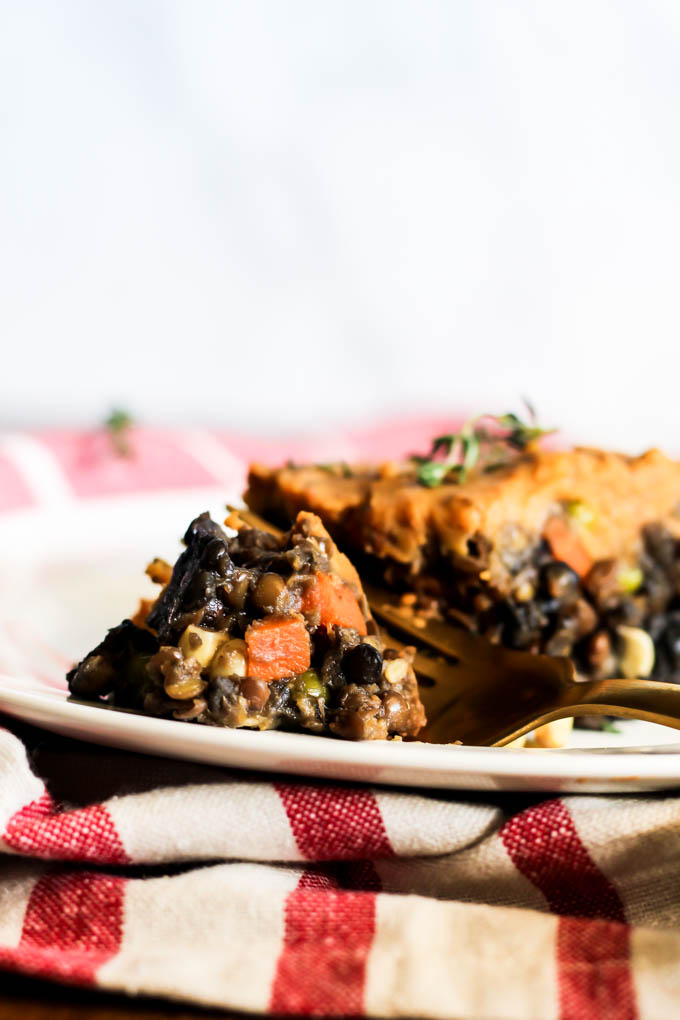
613, 620
253, 631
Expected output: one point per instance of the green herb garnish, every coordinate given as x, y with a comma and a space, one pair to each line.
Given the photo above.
338, 468
486, 442
118, 426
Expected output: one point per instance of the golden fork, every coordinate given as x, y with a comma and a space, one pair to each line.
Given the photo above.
483, 694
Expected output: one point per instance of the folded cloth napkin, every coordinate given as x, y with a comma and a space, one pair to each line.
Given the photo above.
264, 894
270, 895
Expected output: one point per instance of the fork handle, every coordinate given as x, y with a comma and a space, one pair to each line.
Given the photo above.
630, 699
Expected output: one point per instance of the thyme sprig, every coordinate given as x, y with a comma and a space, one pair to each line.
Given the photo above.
118, 425
485, 442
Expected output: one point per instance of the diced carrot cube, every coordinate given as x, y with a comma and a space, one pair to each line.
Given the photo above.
278, 646
567, 546
335, 602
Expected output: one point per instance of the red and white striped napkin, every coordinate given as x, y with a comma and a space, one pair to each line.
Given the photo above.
267, 895
275, 896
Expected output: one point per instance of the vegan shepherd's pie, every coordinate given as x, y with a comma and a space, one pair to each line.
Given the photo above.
566, 552
260, 632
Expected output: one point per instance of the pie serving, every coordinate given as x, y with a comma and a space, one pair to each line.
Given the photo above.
566, 552
260, 632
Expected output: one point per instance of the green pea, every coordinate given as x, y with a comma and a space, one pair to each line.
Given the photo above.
630, 579
309, 684
580, 513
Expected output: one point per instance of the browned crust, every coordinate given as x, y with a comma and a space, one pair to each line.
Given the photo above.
386, 513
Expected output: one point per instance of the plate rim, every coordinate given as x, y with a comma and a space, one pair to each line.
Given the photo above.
586, 764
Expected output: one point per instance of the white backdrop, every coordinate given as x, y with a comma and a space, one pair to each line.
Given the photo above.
262, 214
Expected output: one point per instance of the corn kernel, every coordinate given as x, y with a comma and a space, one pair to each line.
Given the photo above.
200, 644
231, 659
637, 652
552, 734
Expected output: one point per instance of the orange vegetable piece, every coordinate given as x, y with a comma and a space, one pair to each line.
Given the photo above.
566, 546
335, 601
144, 608
277, 646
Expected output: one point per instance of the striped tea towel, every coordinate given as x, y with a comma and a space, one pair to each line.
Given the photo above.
263, 894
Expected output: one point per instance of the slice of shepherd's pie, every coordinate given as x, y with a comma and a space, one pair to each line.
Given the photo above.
566, 552
260, 632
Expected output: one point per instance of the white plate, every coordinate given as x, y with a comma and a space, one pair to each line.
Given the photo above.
68, 575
